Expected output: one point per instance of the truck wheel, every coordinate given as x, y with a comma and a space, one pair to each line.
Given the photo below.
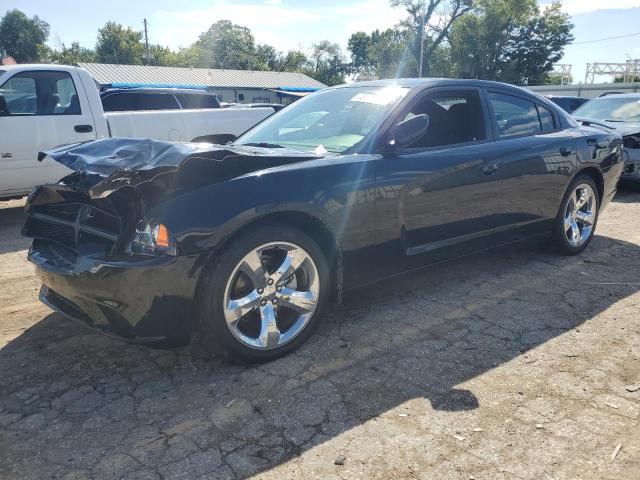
263, 296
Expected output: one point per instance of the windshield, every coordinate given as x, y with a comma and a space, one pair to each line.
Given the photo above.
614, 109
326, 121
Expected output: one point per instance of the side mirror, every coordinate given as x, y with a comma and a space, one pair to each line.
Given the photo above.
3, 106
410, 130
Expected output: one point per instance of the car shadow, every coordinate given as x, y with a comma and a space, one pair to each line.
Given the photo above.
421, 336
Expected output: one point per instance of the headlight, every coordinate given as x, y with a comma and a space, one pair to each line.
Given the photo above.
153, 239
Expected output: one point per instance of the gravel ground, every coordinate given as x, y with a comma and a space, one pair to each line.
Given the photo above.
511, 364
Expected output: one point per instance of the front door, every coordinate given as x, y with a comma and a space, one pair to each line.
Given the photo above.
441, 191
38, 110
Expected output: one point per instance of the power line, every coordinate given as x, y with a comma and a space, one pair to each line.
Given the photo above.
606, 38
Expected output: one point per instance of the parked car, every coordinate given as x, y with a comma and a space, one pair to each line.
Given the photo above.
144, 98
276, 106
619, 113
42, 106
568, 104
242, 246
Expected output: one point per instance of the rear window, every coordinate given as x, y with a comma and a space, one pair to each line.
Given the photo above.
157, 101
514, 116
197, 100
119, 102
130, 101
546, 119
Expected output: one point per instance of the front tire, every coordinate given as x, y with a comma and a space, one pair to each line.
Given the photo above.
577, 216
264, 295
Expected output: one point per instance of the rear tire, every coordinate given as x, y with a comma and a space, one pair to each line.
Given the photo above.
576, 220
263, 296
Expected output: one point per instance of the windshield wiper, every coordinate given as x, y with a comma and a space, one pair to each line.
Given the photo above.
614, 121
262, 145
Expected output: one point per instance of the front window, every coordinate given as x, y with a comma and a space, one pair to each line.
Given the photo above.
327, 121
612, 109
40, 93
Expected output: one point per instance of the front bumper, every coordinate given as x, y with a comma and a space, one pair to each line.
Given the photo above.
138, 299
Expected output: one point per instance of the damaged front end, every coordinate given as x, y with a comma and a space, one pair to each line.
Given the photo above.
102, 257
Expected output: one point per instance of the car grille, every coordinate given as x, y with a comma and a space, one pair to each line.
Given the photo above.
74, 225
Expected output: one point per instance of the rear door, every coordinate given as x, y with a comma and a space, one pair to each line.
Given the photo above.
534, 158
43, 109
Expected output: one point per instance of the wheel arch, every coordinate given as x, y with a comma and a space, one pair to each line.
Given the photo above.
596, 175
309, 224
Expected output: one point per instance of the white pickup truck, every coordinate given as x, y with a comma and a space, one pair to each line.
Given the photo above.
43, 106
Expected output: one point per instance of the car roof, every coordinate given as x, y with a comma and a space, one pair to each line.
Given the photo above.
36, 66
155, 90
423, 82
571, 97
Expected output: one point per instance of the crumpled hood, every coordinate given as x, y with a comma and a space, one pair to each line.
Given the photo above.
107, 165
623, 128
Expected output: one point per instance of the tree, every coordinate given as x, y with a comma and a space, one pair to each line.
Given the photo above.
430, 22
327, 63
386, 54
22, 37
267, 58
70, 55
557, 78
620, 79
226, 45
509, 41
117, 44
358, 45
293, 61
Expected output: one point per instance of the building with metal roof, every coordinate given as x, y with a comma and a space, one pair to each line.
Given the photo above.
244, 86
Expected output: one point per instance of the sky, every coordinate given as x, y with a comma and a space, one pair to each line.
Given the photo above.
297, 24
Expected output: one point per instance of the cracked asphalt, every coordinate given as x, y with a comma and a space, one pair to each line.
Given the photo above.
514, 363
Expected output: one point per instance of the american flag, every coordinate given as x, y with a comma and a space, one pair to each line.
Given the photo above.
9, 60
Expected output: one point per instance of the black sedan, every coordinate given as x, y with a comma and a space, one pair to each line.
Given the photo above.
242, 246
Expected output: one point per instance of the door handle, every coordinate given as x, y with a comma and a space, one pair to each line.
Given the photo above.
6, 155
83, 128
489, 168
565, 151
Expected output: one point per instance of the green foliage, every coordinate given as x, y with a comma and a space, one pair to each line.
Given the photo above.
326, 63
509, 41
69, 55
226, 45
22, 37
555, 78
620, 79
430, 22
293, 61
117, 44
506, 40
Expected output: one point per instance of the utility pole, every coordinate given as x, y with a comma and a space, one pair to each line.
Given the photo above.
146, 41
424, 14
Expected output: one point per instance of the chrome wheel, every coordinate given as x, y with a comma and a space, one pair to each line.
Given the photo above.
271, 295
580, 215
